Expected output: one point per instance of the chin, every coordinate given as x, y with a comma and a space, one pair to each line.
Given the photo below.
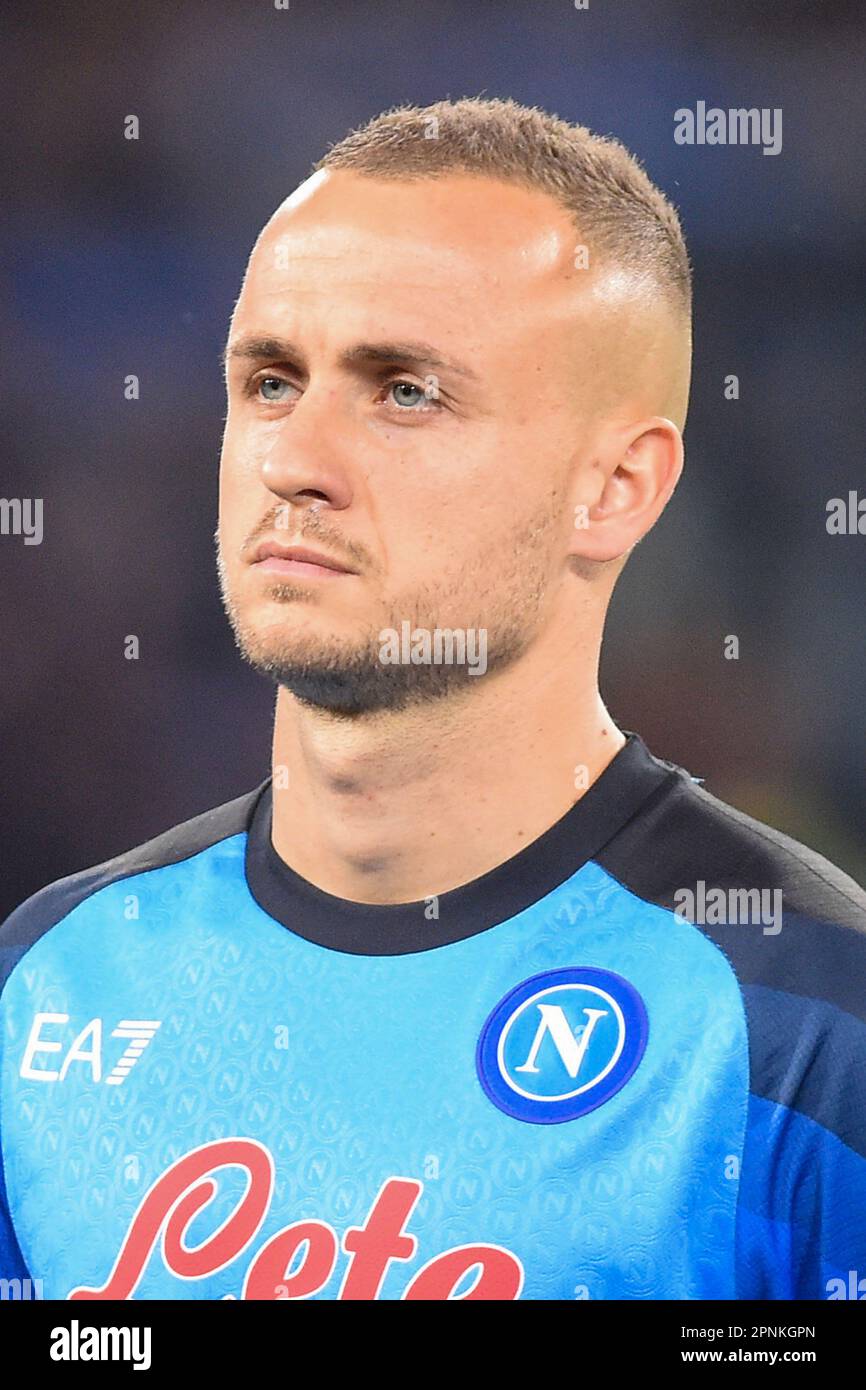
302, 646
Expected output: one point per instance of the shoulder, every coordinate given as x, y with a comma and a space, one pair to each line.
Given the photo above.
51, 904
792, 927
687, 843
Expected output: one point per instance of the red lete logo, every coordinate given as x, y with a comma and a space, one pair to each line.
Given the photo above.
177, 1197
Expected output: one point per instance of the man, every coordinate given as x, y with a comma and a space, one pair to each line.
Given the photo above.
474, 997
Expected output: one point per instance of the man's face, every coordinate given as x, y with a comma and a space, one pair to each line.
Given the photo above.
408, 396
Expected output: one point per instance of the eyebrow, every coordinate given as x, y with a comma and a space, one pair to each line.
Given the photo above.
419, 357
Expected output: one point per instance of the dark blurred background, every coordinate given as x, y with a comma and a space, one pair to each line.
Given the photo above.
126, 256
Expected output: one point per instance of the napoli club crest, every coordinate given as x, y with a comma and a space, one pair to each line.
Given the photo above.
561, 1044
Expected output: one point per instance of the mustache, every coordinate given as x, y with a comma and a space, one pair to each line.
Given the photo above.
303, 525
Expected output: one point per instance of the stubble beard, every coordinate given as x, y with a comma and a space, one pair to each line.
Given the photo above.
503, 590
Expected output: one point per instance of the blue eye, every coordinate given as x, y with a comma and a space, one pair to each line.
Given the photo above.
419, 397
271, 381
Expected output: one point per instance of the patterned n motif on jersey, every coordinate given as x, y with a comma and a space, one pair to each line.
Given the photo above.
205, 1095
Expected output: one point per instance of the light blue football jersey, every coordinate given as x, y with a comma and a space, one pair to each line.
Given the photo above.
219, 1081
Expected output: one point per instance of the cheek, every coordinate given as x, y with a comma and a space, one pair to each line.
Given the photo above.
434, 540
241, 495
237, 515
228, 489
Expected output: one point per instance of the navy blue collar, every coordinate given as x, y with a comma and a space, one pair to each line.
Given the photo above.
405, 928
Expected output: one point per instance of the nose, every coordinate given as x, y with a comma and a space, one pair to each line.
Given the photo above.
305, 460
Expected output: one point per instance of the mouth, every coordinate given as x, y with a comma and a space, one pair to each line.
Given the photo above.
272, 558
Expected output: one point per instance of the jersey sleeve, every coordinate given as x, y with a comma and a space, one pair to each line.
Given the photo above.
801, 1163
36, 916
13, 1270
12, 1266
802, 1201
19, 931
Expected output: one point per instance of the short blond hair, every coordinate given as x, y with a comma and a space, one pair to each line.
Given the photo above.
624, 217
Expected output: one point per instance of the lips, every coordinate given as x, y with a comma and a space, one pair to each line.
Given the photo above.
297, 554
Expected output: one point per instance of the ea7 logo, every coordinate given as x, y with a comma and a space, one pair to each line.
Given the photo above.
85, 1049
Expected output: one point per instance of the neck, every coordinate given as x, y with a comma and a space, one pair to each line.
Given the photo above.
399, 807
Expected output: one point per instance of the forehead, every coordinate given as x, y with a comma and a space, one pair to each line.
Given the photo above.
429, 250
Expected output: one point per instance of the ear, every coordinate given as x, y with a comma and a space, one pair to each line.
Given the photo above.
624, 491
